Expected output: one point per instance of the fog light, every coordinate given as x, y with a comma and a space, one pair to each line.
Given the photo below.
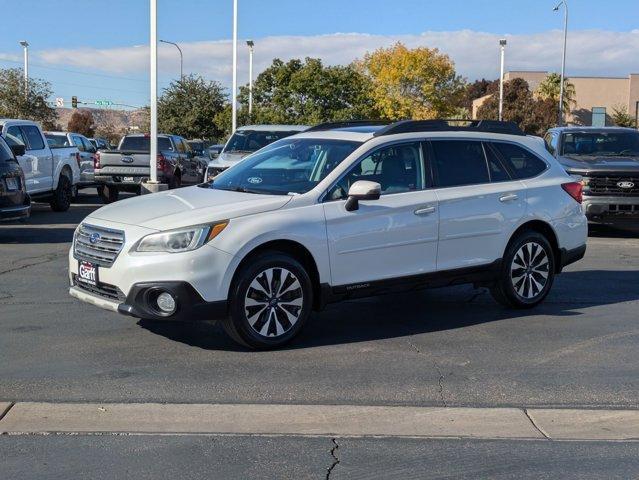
166, 302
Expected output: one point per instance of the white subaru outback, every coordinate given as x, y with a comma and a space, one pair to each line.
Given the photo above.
340, 211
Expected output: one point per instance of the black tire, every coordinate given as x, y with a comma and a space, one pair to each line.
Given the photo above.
527, 271
175, 181
63, 195
282, 316
108, 193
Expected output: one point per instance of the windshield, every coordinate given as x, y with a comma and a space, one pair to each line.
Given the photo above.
244, 141
289, 166
601, 143
143, 144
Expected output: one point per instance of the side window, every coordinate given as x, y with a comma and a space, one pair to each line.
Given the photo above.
88, 146
459, 162
397, 168
178, 144
495, 168
77, 141
548, 141
520, 161
15, 136
33, 136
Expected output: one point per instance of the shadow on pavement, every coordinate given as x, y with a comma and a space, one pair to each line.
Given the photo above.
424, 311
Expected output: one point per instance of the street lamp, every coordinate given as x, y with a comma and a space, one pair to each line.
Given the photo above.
563, 61
153, 40
25, 47
250, 45
234, 91
502, 47
181, 56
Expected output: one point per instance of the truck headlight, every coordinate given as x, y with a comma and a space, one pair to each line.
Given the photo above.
182, 240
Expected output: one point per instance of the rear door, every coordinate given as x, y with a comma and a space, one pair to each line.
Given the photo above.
37, 147
479, 203
86, 155
393, 237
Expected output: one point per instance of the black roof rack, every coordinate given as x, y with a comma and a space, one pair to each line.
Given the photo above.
345, 124
443, 125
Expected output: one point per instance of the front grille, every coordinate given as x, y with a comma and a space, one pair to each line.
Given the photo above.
103, 250
103, 290
609, 185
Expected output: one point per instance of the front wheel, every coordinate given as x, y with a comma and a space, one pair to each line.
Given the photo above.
271, 301
527, 271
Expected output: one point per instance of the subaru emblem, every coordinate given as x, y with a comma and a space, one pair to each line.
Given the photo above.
94, 238
625, 184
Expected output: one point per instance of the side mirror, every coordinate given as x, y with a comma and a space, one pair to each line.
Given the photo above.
18, 150
362, 190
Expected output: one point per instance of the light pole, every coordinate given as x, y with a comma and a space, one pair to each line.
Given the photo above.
502, 47
563, 61
25, 47
153, 150
234, 91
250, 45
181, 57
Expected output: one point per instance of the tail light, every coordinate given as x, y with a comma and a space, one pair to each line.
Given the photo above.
574, 189
96, 160
78, 158
161, 162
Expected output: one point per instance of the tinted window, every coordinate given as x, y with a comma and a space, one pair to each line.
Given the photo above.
143, 144
520, 161
398, 168
611, 143
33, 137
253, 140
15, 137
497, 171
57, 140
6, 155
88, 146
459, 162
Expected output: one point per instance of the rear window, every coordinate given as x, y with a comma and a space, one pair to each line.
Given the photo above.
57, 141
143, 144
6, 155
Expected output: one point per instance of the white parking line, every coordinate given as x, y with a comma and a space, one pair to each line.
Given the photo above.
320, 420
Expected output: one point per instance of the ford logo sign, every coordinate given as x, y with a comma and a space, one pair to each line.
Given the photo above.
625, 184
94, 238
127, 159
255, 180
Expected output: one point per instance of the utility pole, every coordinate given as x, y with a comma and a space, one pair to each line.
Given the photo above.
250, 45
234, 91
25, 48
154, 90
502, 47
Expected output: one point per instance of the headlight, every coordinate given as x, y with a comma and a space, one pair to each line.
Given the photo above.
182, 240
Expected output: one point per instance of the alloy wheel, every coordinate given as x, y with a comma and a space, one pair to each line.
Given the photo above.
529, 270
273, 302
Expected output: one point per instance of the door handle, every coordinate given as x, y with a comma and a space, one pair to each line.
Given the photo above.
425, 210
509, 197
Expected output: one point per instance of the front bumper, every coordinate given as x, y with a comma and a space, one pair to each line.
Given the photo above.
610, 208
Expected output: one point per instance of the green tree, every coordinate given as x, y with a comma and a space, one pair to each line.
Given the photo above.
533, 115
419, 83
307, 92
188, 106
82, 122
621, 117
549, 89
33, 106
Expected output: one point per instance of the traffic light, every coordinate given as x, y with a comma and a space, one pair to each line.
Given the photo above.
74, 102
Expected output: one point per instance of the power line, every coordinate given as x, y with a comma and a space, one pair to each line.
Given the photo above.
38, 65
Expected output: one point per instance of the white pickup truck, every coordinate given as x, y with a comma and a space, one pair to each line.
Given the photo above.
51, 175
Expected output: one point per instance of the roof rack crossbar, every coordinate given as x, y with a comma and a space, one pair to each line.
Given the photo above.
345, 124
443, 125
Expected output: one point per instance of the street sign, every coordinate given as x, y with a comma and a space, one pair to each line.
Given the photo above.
104, 103
59, 102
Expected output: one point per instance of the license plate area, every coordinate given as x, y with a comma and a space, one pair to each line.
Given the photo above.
88, 273
13, 184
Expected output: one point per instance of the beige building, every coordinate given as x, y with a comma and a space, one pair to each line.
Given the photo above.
595, 97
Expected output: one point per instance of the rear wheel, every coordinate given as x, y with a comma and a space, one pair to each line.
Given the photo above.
271, 301
108, 193
527, 272
62, 196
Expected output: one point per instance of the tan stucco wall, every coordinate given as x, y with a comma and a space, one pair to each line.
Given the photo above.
532, 78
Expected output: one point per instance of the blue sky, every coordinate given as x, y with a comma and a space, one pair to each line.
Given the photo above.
87, 48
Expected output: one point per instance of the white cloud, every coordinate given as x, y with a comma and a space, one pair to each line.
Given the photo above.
591, 52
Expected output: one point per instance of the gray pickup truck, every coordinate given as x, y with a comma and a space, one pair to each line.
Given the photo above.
125, 168
607, 159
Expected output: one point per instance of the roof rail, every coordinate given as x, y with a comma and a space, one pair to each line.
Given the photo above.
446, 125
345, 124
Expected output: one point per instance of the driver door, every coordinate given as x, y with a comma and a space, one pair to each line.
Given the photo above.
395, 236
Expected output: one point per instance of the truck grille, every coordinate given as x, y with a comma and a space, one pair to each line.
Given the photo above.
97, 245
610, 186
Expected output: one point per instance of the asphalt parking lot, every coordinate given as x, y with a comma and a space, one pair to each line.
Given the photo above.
446, 347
